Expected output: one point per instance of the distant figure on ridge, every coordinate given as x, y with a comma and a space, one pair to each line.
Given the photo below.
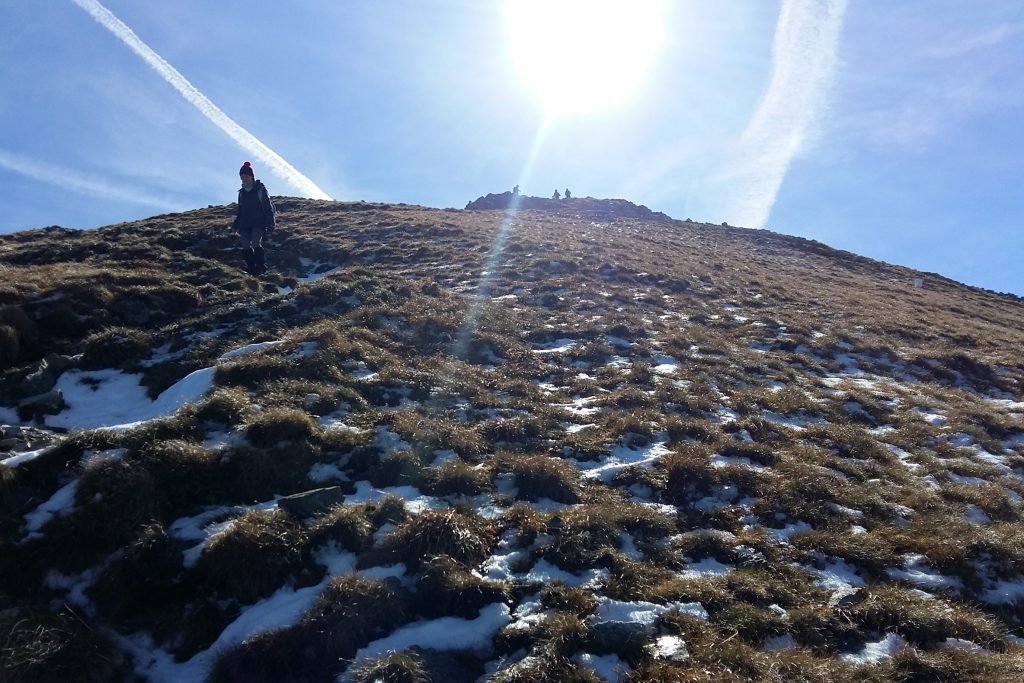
515, 191
254, 220
568, 195
556, 195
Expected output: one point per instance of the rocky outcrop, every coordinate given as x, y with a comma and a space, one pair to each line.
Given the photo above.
603, 209
15, 439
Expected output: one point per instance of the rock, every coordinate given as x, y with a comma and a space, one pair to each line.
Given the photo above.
309, 503
618, 636
750, 557
50, 403
846, 597
491, 201
15, 439
45, 374
671, 649
61, 363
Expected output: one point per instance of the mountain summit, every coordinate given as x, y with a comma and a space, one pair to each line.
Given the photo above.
525, 441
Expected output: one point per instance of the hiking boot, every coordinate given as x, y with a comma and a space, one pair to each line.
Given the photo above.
250, 261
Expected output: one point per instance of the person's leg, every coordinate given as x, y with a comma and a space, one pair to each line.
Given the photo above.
245, 239
259, 254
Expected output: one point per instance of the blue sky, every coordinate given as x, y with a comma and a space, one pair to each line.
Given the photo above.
888, 128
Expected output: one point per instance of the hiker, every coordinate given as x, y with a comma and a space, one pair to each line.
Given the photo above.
255, 219
568, 195
515, 191
556, 195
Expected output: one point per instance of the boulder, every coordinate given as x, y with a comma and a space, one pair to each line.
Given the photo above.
44, 375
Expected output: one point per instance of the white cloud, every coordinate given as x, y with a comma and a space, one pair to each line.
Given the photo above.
78, 182
804, 57
240, 135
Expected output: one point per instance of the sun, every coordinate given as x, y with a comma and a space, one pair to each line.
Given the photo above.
584, 55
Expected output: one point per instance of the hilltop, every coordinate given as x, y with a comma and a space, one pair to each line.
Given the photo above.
578, 207
575, 441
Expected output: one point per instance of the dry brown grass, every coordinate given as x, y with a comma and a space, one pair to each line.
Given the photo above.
405, 337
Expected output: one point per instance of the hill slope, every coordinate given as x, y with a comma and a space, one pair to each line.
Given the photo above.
565, 443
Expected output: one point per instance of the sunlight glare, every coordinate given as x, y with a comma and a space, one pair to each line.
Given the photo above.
583, 55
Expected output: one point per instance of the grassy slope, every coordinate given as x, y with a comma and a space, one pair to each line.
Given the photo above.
763, 401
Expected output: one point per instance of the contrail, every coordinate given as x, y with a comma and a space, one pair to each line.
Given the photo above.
803, 68
244, 138
76, 182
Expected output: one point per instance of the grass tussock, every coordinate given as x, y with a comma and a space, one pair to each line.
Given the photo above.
428, 435
187, 475
43, 646
589, 534
393, 667
115, 347
538, 477
350, 613
457, 478
226, 406
18, 334
250, 475
258, 554
141, 586
924, 622
446, 588
398, 468
279, 425
113, 500
464, 537
348, 526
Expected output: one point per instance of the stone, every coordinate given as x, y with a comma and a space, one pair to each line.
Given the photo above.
670, 648
750, 557
45, 374
16, 439
555, 525
49, 403
618, 636
309, 503
846, 597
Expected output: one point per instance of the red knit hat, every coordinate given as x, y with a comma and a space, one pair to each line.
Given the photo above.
247, 169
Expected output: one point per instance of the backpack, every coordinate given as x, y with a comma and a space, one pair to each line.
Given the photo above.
268, 206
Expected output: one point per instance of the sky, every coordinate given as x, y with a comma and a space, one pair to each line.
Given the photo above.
889, 129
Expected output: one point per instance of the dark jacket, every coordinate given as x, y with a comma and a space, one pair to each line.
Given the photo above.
255, 210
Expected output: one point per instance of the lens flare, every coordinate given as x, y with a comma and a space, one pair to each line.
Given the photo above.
584, 55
